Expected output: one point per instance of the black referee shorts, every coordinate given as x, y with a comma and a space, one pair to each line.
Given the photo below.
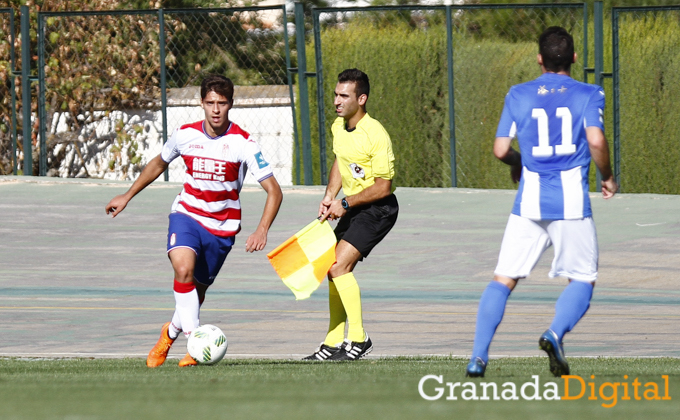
365, 226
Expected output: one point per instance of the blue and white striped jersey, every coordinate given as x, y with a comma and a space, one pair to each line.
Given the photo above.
549, 116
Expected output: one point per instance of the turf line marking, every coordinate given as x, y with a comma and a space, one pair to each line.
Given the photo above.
296, 356
81, 308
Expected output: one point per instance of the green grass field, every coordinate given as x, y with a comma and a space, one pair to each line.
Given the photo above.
385, 388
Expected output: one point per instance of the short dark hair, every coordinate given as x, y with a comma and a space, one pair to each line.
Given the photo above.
218, 84
556, 47
360, 79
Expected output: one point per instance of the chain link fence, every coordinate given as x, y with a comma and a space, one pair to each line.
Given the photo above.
646, 86
7, 94
404, 51
102, 74
248, 46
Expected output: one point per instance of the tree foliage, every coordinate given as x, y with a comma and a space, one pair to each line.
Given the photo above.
95, 64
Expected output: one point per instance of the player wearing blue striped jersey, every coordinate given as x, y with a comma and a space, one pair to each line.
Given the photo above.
558, 123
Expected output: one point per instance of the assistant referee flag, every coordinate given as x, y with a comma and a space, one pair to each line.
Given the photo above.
304, 259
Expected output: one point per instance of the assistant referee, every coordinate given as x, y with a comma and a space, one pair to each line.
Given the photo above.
364, 168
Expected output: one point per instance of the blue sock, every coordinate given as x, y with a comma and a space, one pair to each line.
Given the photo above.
489, 316
571, 306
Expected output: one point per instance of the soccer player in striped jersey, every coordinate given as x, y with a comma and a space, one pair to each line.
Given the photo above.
206, 215
558, 123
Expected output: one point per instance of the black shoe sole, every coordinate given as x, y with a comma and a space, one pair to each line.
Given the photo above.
556, 367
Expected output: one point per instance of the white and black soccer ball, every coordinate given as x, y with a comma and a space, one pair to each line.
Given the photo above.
207, 344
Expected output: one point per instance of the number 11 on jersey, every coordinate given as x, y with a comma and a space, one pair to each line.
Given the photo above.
544, 149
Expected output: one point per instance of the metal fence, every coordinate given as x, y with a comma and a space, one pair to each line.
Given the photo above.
112, 90
8, 105
646, 109
438, 78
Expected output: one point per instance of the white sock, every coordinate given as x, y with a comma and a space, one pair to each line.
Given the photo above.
175, 326
187, 308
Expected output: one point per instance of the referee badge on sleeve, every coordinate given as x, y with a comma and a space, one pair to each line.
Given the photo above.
357, 171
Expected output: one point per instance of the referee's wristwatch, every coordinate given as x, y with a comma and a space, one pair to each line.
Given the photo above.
345, 204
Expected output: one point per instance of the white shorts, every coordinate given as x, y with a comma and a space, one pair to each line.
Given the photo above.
525, 240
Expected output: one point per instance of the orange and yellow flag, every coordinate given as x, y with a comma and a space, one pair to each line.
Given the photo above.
304, 259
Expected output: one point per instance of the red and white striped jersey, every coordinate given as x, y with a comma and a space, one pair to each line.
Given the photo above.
215, 171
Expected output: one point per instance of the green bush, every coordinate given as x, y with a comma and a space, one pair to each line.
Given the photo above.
409, 95
407, 65
649, 82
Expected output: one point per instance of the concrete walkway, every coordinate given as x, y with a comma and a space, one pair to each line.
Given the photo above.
74, 282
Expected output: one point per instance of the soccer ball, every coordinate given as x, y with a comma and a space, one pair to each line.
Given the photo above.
207, 344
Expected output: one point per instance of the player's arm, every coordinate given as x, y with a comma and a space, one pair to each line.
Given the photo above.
379, 190
258, 239
332, 190
151, 171
599, 150
503, 150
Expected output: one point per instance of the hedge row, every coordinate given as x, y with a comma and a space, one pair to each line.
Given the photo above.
409, 95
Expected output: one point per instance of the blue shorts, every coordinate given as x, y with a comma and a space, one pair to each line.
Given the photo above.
211, 250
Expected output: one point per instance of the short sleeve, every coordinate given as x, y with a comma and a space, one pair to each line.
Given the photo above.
382, 156
594, 112
170, 151
257, 164
507, 126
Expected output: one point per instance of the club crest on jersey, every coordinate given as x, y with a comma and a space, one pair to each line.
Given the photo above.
260, 160
357, 171
225, 151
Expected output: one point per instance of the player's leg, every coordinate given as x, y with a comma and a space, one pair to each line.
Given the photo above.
338, 316
186, 306
576, 257
489, 316
209, 260
368, 226
344, 302
186, 297
346, 284
357, 344
335, 335
523, 244
336, 326
181, 236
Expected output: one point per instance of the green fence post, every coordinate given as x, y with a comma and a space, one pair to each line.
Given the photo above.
291, 93
26, 89
42, 114
320, 101
617, 109
304, 94
452, 122
13, 94
14, 125
599, 63
164, 98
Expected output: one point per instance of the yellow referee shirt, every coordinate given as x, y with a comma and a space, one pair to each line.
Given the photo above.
362, 154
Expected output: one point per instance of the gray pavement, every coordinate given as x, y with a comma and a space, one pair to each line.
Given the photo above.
74, 282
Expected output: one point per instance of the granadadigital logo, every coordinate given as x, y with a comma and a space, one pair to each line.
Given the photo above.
433, 387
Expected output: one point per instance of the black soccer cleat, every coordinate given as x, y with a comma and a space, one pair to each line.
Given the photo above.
323, 352
350, 350
551, 345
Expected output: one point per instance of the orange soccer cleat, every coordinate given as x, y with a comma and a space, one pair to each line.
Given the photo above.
159, 352
187, 361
